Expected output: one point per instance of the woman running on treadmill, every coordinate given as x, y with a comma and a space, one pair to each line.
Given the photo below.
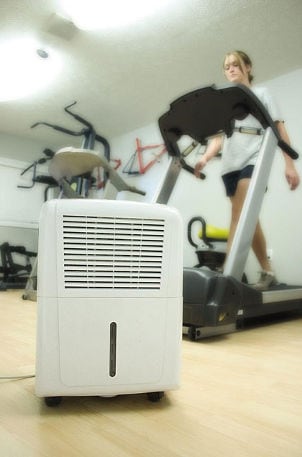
239, 156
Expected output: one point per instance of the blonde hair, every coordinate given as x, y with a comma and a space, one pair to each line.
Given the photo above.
242, 58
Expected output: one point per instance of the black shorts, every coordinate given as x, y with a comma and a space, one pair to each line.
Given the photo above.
230, 180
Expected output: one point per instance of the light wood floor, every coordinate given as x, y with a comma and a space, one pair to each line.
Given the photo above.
241, 395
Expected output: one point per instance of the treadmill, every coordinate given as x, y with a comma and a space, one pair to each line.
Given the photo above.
215, 303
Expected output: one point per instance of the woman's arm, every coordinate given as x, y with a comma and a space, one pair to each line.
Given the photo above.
212, 150
291, 173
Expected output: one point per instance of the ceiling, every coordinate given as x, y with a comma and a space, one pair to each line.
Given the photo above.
123, 79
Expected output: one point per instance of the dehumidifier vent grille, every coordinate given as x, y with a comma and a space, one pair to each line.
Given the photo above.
112, 252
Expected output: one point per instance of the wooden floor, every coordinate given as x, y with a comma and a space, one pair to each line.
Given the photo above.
241, 395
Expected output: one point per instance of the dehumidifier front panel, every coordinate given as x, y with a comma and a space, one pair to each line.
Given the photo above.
126, 250
110, 298
111, 342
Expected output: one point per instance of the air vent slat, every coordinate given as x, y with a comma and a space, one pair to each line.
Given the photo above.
112, 252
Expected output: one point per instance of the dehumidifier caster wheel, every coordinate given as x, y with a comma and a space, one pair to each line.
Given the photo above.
155, 396
52, 401
193, 333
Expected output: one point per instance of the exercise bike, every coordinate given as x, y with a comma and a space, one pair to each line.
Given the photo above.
209, 243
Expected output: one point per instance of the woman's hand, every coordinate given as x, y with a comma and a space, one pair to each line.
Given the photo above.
292, 176
200, 166
213, 147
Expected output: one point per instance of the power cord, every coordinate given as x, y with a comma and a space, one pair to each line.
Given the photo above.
18, 377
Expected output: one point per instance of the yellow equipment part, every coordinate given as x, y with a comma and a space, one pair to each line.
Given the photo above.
214, 233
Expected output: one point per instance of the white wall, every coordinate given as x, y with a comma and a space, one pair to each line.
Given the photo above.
281, 213
282, 209
19, 208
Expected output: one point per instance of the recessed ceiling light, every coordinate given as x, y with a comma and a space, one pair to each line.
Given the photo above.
26, 68
96, 14
42, 53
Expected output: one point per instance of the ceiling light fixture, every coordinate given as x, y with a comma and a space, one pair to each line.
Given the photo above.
98, 14
26, 68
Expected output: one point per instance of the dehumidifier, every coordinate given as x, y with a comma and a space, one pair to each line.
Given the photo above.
109, 299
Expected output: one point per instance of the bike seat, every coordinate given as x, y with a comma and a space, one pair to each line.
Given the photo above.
70, 162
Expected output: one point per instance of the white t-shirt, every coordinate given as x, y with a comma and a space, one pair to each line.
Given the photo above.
241, 149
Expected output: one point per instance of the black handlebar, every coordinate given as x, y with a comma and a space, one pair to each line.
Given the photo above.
189, 229
49, 155
60, 129
89, 133
210, 111
190, 169
77, 116
288, 149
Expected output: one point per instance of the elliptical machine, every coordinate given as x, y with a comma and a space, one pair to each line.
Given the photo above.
80, 182
71, 169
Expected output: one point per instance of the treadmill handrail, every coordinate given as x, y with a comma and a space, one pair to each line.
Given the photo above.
213, 110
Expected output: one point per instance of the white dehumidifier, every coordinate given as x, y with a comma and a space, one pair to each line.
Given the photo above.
109, 299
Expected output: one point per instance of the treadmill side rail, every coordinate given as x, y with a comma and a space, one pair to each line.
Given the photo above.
245, 230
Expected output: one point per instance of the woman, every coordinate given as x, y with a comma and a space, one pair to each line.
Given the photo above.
239, 155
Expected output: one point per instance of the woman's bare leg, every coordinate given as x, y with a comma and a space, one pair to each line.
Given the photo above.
259, 248
237, 202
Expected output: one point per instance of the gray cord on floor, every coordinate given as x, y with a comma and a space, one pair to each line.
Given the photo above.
18, 377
